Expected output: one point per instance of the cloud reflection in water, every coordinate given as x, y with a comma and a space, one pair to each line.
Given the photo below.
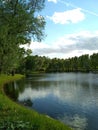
76, 122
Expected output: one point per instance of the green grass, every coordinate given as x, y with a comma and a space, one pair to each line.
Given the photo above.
16, 117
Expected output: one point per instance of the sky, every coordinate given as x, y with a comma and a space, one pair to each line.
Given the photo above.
71, 29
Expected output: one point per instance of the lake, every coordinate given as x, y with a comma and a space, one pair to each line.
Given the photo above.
71, 98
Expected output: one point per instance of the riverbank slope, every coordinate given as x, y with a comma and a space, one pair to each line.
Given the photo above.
15, 116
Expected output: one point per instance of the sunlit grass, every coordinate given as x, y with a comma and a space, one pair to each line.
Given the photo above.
15, 116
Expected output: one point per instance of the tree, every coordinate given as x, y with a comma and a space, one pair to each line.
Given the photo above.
84, 63
19, 23
94, 62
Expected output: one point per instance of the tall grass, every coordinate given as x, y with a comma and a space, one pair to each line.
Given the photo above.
16, 117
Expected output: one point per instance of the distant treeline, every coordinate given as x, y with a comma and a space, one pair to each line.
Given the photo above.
84, 63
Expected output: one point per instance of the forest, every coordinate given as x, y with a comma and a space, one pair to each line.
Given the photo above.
84, 63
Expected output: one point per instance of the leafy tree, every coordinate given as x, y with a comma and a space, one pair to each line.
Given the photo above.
19, 23
67, 65
94, 61
84, 63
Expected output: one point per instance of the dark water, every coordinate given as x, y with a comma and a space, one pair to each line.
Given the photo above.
69, 97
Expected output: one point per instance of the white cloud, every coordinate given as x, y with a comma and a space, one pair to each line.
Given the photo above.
70, 45
55, 1
70, 16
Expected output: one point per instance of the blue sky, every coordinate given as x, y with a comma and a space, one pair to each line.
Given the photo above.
71, 29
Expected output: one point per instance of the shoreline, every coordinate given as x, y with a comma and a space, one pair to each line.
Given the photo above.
13, 114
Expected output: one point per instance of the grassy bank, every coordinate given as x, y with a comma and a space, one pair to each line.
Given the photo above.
16, 117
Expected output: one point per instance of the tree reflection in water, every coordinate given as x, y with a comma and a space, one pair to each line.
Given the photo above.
27, 102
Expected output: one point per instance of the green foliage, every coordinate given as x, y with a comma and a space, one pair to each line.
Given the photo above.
94, 61
84, 63
18, 24
17, 125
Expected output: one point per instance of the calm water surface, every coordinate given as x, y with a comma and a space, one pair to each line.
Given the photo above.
69, 97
